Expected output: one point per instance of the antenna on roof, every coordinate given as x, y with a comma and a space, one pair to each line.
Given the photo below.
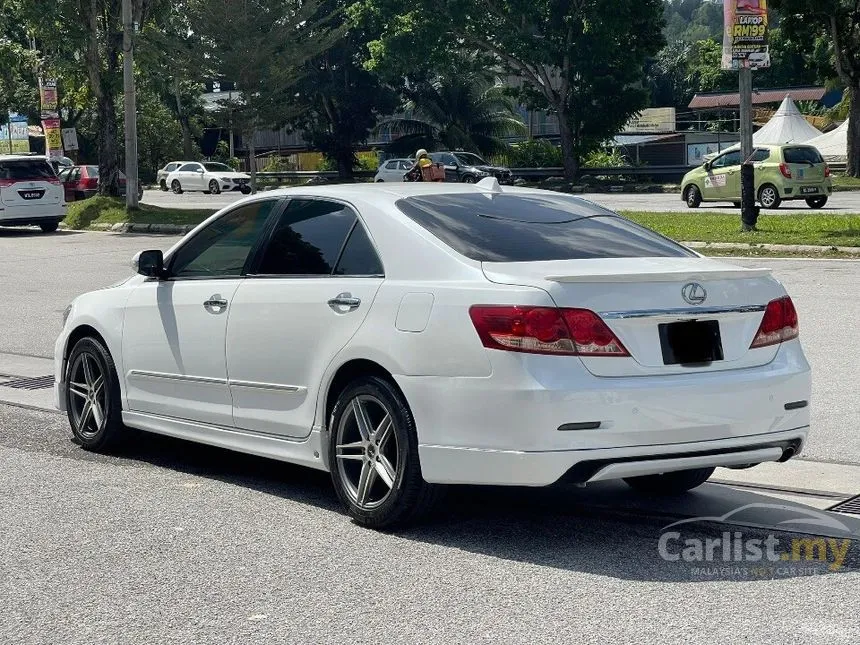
490, 184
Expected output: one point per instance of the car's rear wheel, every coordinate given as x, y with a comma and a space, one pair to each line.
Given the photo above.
93, 396
816, 202
214, 187
693, 196
469, 179
670, 483
768, 196
176, 187
373, 455
49, 227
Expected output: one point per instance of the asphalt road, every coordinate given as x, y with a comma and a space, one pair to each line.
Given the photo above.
843, 202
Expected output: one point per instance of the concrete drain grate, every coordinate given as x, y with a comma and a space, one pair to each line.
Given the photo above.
34, 383
851, 506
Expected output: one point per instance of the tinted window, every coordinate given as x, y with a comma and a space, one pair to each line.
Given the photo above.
392, 165
405, 165
802, 155
469, 159
358, 257
308, 238
761, 154
171, 167
217, 167
189, 167
729, 159
26, 169
222, 248
527, 228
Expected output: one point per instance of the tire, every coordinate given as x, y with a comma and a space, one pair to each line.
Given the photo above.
163, 185
245, 190
468, 179
81, 382
816, 202
768, 196
359, 453
214, 187
176, 187
49, 227
671, 483
693, 196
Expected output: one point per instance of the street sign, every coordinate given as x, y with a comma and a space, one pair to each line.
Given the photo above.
70, 139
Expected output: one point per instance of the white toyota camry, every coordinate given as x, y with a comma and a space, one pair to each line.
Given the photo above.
407, 336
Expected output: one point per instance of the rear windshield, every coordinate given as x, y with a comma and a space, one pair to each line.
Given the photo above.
26, 169
530, 228
92, 171
806, 154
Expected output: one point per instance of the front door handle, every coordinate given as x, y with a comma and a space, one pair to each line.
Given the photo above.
343, 301
216, 304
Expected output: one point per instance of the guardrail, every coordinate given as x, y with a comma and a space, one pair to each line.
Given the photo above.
663, 173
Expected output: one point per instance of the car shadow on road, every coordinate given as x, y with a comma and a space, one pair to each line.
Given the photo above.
33, 231
604, 529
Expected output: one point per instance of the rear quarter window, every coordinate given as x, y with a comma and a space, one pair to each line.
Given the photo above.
533, 227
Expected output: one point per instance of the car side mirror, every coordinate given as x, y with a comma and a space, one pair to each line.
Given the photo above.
149, 263
706, 165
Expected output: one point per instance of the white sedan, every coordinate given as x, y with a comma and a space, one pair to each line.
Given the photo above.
208, 177
393, 170
408, 336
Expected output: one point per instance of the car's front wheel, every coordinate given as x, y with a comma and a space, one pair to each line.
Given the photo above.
373, 455
163, 185
768, 196
693, 196
176, 187
93, 396
214, 187
816, 202
49, 227
245, 190
670, 483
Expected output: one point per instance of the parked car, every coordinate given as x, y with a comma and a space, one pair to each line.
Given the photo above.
60, 163
414, 335
393, 170
81, 182
161, 175
469, 168
208, 177
786, 172
30, 193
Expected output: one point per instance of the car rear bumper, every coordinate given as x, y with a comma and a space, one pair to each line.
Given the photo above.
538, 416
803, 191
31, 214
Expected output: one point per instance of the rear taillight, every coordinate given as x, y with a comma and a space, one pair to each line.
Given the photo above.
778, 324
545, 330
785, 170
53, 180
90, 182
826, 170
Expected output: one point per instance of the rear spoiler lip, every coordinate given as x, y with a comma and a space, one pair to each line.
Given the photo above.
662, 276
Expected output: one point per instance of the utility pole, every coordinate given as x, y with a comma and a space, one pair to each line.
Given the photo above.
749, 211
130, 101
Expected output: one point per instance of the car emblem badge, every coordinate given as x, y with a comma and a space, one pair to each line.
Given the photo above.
694, 293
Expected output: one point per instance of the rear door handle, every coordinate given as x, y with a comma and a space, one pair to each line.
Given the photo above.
216, 304
343, 301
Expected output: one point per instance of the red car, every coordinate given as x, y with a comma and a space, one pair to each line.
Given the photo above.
80, 182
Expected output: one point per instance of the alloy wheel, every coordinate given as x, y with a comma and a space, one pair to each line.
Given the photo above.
767, 197
367, 452
87, 395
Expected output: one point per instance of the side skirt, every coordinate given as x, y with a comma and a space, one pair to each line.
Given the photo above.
307, 452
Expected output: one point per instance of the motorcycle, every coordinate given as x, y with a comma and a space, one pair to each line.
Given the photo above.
435, 172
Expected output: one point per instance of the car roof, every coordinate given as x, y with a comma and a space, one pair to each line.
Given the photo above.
29, 157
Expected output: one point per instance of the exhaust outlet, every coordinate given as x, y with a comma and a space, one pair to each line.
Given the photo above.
787, 454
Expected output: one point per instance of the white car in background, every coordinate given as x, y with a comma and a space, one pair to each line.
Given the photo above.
393, 170
30, 193
208, 177
407, 336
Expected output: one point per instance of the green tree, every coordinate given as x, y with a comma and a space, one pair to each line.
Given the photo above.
469, 110
581, 60
264, 47
839, 21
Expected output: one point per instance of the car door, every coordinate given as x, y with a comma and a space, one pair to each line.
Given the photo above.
311, 291
175, 329
722, 181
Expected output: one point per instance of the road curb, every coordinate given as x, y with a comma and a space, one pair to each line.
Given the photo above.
785, 248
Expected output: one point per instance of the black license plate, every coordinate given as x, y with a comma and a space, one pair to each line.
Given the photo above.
809, 190
31, 194
691, 342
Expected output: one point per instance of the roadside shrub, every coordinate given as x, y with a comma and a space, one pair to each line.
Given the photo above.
603, 159
82, 213
534, 153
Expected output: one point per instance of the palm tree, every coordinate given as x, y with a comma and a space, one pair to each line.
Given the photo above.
468, 111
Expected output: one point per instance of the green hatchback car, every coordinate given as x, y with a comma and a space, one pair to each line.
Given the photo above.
781, 173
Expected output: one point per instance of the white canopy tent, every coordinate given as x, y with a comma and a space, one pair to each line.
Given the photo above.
787, 125
833, 145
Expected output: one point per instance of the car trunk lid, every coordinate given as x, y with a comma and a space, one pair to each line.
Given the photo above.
642, 299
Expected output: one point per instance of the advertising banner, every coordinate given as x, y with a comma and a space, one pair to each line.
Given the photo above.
745, 34
53, 138
18, 133
48, 95
651, 120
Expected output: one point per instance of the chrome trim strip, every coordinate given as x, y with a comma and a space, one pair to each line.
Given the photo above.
682, 311
267, 386
178, 377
